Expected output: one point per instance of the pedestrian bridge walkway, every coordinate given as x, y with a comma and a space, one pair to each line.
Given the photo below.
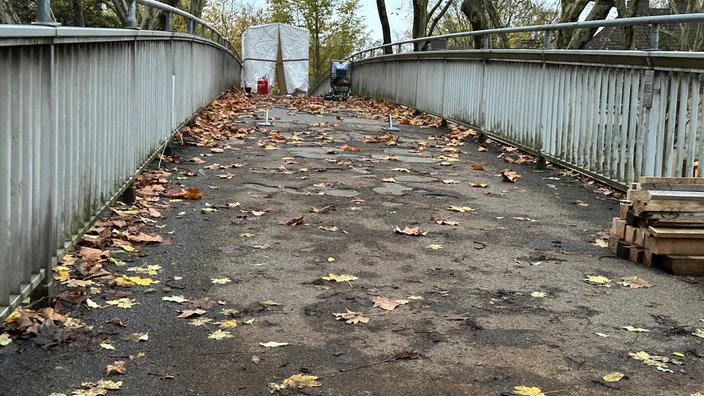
85, 110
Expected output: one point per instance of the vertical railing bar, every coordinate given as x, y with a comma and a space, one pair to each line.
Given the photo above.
671, 118
683, 108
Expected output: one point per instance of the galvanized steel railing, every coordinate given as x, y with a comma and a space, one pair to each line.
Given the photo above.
614, 115
82, 110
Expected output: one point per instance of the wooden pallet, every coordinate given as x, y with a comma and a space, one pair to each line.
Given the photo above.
661, 224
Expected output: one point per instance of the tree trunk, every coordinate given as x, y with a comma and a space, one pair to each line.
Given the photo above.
482, 14
571, 9
385, 29
581, 37
7, 14
420, 21
77, 13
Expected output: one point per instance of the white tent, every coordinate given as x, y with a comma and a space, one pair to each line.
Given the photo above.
279, 52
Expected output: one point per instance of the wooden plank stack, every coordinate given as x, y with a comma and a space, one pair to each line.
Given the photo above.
661, 224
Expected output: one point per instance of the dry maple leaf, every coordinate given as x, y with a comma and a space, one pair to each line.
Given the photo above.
192, 193
191, 312
294, 222
477, 167
117, 367
387, 303
634, 282
510, 176
145, 238
478, 185
351, 317
415, 231
443, 221
461, 209
340, 278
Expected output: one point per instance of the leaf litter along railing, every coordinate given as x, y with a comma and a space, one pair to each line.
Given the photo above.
653, 21
68, 150
613, 115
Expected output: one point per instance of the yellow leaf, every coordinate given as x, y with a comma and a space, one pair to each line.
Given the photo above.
598, 280
434, 246
199, 321
91, 304
613, 376
107, 345
226, 324
176, 299
537, 294
269, 302
246, 235
110, 385
5, 339
415, 298
134, 280
149, 270
699, 333
61, 274
219, 334
527, 391
340, 278
680, 354
331, 228
300, 381
127, 248
122, 302
273, 344
331, 259
220, 281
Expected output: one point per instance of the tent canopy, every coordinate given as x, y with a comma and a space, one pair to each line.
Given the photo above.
279, 52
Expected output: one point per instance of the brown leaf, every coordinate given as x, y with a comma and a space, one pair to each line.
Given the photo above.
294, 222
510, 176
387, 303
93, 255
192, 312
355, 149
478, 185
117, 367
192, 193
477, 167
145, 238
351, 317
415, 231
443, 221
197, 160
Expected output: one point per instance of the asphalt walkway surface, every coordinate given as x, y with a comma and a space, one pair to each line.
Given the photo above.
322, 255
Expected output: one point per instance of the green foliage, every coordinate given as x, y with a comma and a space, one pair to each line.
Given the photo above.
232, 17
336, 28
88, 13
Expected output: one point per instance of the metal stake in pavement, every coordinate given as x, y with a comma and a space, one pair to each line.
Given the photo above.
391, 127
266, 122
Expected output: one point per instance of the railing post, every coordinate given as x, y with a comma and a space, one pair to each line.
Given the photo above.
44, 13
654, 36
546, 43
487, 42
190, 26
169, 21
131, 14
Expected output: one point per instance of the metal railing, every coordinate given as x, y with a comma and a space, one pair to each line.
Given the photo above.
614, 115
654, 22
83, 110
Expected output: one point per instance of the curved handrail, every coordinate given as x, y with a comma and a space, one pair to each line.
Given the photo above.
653, 21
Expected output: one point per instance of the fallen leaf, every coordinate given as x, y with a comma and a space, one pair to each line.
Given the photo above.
449, 181
478, 185
650, 360
246, 235
227, 324
273, 344
269, 302
149, 270
340, 278
415, 231
192, 193
294, 222
537, 294
351, 317
355, 149
510, 176
219, 334
634, 282
199, 321
461, 209
527, 391
107, 345
598, 280
415, 298
389, 180
581, 203
117, 367
296, 381
387, 303
443, 221
191, 312
434, 246
122, 302
220, 281
477, 167
401, 170
176, 299
698, 333
331, 228
125, 280
601, 243
602, 335
5, 339
613, 376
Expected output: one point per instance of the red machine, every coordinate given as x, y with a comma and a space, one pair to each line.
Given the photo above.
263, 85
